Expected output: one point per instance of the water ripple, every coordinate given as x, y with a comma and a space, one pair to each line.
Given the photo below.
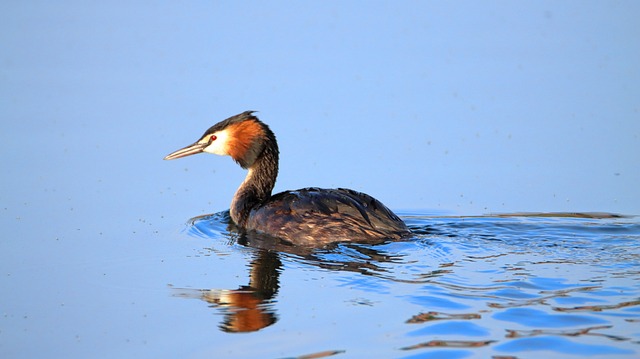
509, 284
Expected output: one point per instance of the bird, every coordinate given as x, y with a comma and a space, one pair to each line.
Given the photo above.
305, 217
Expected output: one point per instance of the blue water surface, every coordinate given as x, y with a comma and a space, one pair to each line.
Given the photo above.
493, 285
464, 108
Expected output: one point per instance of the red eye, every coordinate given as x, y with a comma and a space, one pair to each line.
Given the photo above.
212, 138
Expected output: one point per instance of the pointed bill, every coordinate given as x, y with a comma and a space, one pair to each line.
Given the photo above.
187, 151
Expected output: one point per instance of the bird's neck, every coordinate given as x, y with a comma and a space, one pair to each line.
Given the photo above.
257, 185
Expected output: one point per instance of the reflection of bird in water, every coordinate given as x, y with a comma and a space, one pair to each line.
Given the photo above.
248, 308
309, 216
253, 307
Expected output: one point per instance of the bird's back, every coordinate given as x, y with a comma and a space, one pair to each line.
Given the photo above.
316, 216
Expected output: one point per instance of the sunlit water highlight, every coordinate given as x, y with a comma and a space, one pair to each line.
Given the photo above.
512, 286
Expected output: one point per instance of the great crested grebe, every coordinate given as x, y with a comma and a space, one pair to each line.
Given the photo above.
308, 216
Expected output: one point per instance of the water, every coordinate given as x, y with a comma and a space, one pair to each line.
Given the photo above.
476, 107
463, 287
521, 286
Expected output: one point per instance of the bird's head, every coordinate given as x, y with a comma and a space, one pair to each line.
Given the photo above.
241, 136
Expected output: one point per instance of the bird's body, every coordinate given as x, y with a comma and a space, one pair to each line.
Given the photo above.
309, 216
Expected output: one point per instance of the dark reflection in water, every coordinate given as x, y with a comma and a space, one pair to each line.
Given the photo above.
250, 307
505, 283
